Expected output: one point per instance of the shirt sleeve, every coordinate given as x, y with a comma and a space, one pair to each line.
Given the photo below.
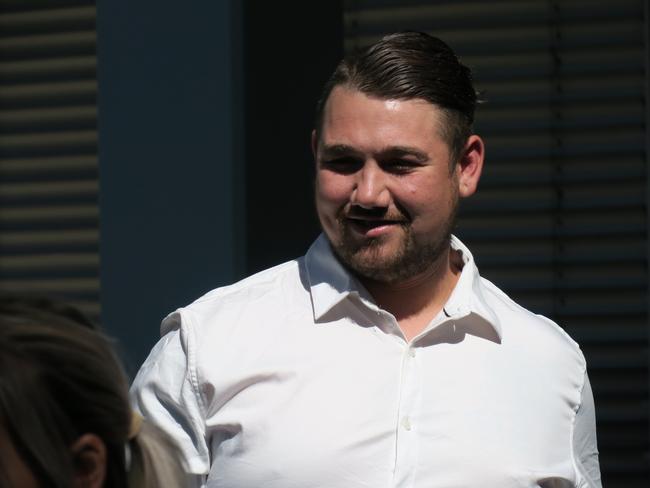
585, 446
165, 392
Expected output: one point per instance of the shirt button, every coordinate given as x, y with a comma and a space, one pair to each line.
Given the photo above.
412, 352
406, 423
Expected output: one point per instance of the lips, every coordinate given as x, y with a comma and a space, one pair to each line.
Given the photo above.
372, 228
371, 224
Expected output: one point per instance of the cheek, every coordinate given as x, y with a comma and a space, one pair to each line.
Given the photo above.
417, 194
427, 200
332, 190
17, 471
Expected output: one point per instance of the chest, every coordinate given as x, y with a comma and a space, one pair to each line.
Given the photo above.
378, 413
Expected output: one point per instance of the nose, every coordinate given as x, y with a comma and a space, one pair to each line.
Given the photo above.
370, 190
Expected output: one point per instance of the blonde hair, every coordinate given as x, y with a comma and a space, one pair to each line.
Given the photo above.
59, 379
153, 465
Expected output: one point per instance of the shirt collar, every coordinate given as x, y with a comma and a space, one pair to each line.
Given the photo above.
468, 296
330, 283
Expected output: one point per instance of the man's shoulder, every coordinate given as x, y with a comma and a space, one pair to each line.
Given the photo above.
520, 322
260, 294
268, 280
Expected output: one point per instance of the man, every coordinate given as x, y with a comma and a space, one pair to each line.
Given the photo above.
380, 358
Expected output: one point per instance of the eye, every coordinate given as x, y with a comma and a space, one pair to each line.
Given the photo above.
399, 165
342, 165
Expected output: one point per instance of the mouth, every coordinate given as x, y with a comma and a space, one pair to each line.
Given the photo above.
373, 227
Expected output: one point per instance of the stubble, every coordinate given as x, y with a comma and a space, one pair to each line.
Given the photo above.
367, 258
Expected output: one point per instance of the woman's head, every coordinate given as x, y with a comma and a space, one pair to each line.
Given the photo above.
63, 399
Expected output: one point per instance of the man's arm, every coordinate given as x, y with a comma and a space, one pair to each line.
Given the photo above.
585, 446
166, 393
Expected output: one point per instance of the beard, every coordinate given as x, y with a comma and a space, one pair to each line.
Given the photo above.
367, 258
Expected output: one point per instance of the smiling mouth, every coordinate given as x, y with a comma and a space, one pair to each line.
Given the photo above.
366, 224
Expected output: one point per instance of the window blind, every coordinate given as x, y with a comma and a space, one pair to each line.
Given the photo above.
48, 151
560, 218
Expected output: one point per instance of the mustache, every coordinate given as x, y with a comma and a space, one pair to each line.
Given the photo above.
375, 213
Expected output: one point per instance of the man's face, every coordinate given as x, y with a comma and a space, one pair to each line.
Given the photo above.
385, 195
16, 471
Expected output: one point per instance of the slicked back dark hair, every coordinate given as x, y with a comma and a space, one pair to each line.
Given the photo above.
410, 65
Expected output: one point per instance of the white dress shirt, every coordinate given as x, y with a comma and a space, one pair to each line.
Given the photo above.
294, 378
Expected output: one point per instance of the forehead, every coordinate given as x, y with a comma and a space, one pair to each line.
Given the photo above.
350, 113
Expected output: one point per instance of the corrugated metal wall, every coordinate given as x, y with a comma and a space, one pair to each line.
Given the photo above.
560, 219
48, 151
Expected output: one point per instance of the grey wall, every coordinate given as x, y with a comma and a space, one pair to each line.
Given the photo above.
205, 113
168, 154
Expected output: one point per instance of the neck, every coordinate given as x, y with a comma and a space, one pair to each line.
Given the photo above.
416, 301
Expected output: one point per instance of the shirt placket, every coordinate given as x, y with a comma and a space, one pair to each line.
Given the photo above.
406, 448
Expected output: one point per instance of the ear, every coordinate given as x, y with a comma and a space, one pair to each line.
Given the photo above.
89, 458
468, 169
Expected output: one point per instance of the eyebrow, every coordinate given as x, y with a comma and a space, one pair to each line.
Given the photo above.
338, 150
341, 150
401, 151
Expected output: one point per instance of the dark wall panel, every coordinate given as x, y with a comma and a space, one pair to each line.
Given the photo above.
289, 52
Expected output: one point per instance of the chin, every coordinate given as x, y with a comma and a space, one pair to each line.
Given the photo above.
377, 263
390, 262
